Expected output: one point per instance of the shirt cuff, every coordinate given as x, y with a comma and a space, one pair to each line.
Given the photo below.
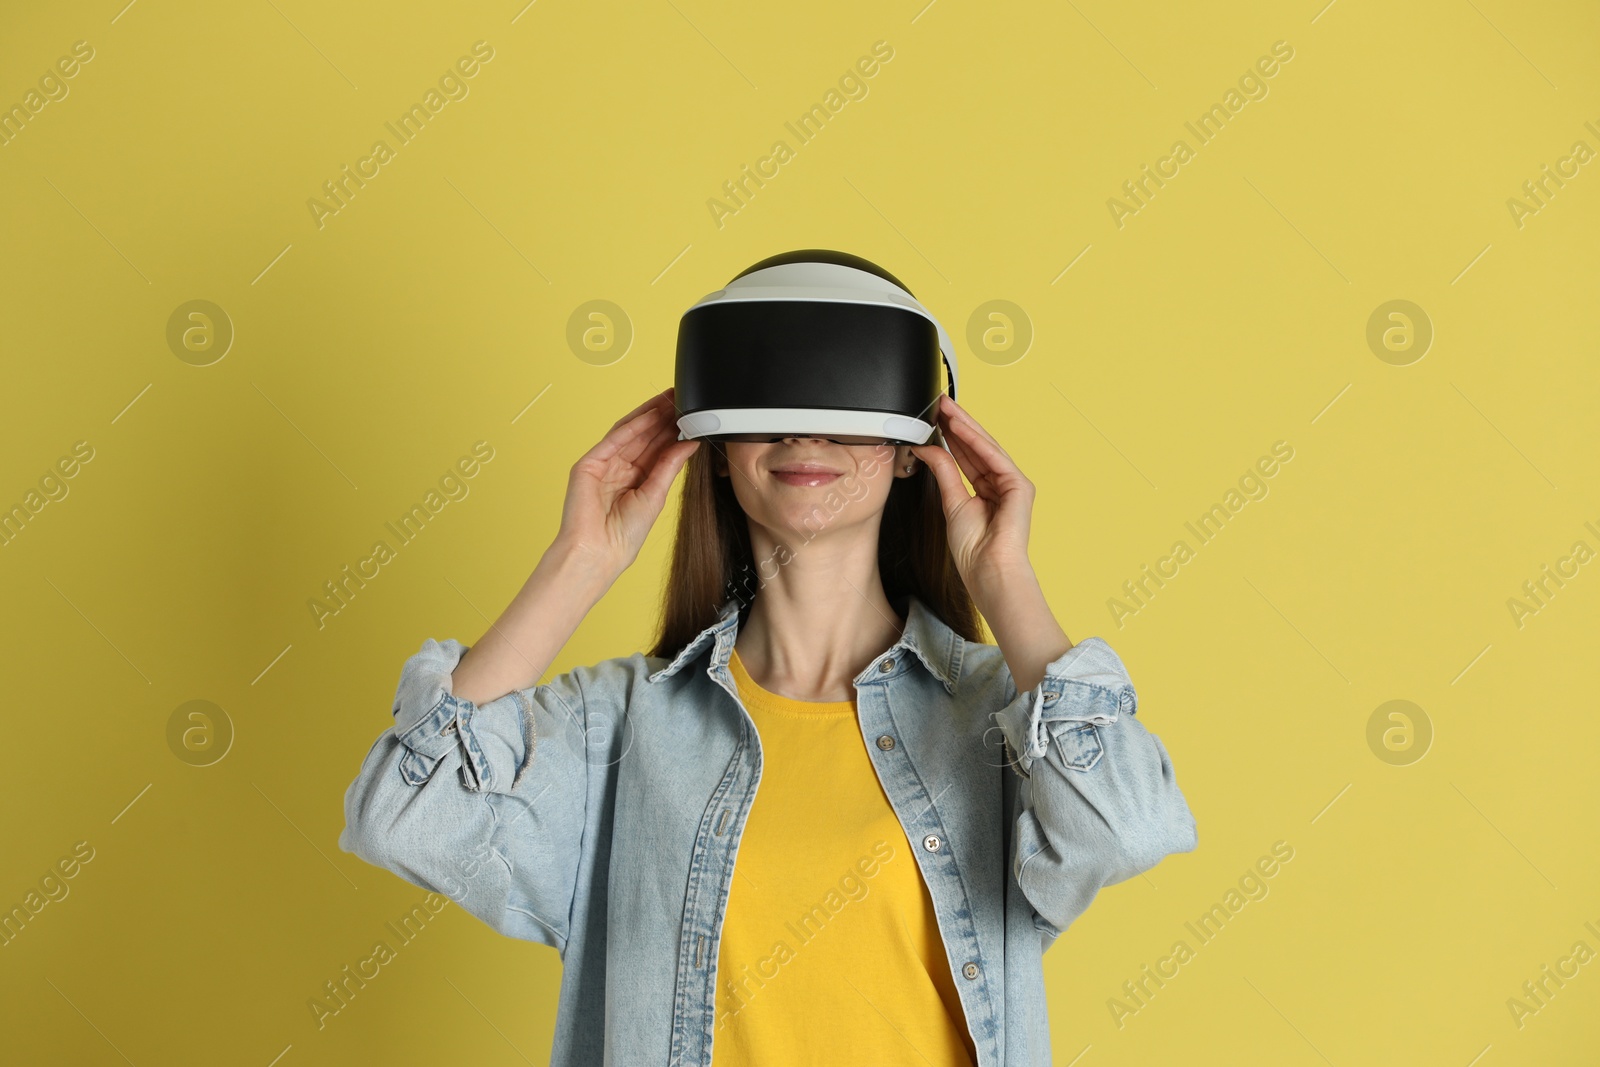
494, 740
1086, 685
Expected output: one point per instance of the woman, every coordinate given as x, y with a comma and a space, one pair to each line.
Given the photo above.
933, 811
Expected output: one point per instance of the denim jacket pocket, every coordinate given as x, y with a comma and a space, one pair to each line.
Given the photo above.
1077, 742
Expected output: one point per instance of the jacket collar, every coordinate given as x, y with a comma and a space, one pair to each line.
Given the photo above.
937, 647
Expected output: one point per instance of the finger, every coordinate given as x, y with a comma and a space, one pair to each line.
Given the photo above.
982, 440
971, 430
945, 473
993, 485
654, 401
976, 470
665, 469
961, 415
986, 482
646, 456
996, 486
949, 448
624, 439
985, 448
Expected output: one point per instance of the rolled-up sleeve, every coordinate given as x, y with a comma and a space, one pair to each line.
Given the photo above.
1099, 801
494, 741
474, 802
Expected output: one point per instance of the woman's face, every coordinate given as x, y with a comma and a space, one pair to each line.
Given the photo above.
806, 486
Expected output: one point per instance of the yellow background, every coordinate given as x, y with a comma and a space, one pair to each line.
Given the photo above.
1228, 314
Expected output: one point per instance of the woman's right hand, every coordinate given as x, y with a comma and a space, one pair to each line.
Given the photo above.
617, 489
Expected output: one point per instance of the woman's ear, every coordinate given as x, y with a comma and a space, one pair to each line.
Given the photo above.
904, 458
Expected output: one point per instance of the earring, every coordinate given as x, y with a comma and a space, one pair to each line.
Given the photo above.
910, 467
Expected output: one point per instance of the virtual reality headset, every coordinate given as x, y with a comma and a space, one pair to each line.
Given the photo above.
813, 343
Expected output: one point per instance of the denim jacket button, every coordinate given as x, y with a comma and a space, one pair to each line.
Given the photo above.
970, 970
886, 666
885, 742
931, 842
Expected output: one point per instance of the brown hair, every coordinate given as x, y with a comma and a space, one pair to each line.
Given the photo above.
712, 557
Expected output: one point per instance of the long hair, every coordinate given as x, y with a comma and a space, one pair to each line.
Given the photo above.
712, 557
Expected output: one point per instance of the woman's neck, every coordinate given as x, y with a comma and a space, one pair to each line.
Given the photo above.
810, 643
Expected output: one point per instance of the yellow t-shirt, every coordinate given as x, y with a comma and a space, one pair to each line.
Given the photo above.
830, 949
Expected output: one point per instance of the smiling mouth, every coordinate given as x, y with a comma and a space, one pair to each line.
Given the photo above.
804, 474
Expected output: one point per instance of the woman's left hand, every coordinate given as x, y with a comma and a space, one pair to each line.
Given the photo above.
988, 532
988, 536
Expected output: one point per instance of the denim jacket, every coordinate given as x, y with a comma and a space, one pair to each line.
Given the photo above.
600, 813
